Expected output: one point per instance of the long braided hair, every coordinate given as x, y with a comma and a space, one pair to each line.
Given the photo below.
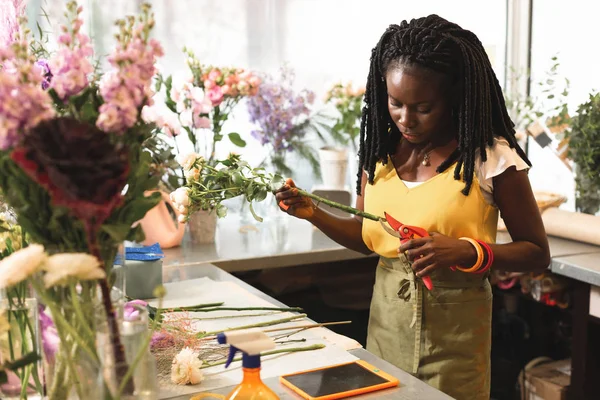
480, 114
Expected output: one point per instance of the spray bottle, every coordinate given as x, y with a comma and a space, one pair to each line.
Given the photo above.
250, 342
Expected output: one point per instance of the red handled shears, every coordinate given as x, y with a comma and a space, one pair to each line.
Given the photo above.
404, 233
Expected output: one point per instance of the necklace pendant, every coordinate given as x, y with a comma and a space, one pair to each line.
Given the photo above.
425, 161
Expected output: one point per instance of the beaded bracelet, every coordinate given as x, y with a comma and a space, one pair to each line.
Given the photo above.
480, 256
490, 256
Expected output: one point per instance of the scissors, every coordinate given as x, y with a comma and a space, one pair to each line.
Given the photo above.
404, 233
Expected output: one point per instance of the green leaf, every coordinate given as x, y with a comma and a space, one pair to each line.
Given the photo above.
117, 232
3, 377
24, 361
236, 139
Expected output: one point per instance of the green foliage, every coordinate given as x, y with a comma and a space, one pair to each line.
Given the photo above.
230, 178
552, 103
584, 150
349, 103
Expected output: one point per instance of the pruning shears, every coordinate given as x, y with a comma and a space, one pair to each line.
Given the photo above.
404, 233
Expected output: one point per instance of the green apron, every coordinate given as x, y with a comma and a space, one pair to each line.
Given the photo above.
443, 339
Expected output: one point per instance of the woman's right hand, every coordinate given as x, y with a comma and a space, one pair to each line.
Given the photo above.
291, 202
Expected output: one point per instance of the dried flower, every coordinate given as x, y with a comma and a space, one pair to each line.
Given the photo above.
21, 264
186, 368
60, 268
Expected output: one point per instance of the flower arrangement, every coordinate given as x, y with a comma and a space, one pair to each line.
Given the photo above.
75, 166
283, 117
202, 104
348, 102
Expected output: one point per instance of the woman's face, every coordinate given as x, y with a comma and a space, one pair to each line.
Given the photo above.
419, 104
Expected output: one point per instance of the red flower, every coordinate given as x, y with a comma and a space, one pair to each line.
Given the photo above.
78, 164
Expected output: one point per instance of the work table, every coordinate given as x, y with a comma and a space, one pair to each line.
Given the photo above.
409, 388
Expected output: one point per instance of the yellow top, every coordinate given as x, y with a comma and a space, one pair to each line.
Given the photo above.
435, 205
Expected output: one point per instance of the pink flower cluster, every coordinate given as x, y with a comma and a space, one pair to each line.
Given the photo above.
71, 66
127, 89
10, 12
193, 105
222, 83
23, 102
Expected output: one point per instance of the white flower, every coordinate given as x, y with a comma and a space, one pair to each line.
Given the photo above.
81, 266
186, 368
181, 197
192, 174
187, 160
181, 218
21, 265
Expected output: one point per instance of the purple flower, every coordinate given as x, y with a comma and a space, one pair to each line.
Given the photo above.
50, 339
131, 311
278, 111
46, 73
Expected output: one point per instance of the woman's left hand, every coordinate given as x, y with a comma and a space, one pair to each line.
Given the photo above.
437, 251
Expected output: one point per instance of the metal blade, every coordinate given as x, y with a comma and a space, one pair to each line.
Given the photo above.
389, 230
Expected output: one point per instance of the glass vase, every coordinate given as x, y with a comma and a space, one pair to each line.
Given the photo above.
19, 338
132, 374
68, 324
202, 227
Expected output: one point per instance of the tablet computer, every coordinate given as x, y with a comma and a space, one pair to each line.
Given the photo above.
338, 381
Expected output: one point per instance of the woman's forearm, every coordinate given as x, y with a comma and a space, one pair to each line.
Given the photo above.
520, 257
346, 231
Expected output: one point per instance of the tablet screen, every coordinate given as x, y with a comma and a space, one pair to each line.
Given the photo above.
334, 380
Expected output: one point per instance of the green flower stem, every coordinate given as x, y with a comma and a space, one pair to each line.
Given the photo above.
60, 320
259, 325
343, 207
193, 308
283, 309
270, 353
79, 311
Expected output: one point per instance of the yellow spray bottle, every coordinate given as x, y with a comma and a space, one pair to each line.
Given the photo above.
251, 342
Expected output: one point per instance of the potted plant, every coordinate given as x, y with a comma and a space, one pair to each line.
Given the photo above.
584, 150
348, 102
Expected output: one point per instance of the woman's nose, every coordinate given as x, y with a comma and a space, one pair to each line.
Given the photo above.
407, 119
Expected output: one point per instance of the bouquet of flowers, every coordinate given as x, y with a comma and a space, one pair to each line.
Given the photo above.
74, 166
283, 118
208, 186
348, 102
202, 104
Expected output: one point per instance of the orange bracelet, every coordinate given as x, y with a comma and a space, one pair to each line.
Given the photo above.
480, 256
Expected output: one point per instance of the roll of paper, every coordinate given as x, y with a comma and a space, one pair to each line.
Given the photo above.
572, 225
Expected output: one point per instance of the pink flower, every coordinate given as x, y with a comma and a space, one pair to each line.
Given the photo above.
10, 12
209, 84
244, 76
215, 95
202, 122
214, 74
131, 311
231, 80
254, 81
225, 89
243, 87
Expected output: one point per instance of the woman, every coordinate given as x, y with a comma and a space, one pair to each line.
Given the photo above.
438, 151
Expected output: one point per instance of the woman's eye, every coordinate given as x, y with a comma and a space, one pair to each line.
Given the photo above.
424, 110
